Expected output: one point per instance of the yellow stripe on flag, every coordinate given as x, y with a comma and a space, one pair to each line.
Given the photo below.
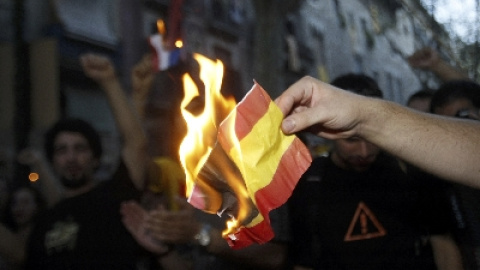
257, 171
269, 161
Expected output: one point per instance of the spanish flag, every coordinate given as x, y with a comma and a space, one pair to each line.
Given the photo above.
271, 163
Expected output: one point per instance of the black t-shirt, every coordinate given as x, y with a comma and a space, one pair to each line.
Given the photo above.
86, 231
378, 219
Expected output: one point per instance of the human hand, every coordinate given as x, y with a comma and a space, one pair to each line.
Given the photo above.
425, 58
321, 108
143, 74
98, 67
175, 227
134, 219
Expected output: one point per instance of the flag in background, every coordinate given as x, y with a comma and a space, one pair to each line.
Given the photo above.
163, 59
270, 162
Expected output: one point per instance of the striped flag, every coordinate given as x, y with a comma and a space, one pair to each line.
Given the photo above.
270, 162
163, 59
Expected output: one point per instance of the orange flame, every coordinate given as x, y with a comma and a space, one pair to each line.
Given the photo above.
161, 27
202, 129
245, 212
201, 139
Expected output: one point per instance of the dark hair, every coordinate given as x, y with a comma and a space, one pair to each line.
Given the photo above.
358, 83
37, 196
73, 125
421, 94
453, 90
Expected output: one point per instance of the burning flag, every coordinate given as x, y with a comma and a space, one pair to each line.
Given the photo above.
236, 158
270, 162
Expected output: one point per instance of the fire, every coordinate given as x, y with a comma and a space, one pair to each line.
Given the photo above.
161, 27
202, 129
207, 166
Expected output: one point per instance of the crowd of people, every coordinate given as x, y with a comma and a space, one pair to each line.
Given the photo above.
397, 189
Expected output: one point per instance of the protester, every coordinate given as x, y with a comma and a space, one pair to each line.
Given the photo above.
24, 205
461, 99
457, 98
378, 216
85, 229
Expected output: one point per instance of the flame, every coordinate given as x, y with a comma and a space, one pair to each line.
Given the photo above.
199, 148
244, 209
161, 27
202, 129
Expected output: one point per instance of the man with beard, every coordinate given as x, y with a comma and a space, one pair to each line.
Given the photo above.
358, 209
85, 229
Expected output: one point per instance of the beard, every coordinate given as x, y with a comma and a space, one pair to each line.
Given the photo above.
74, 183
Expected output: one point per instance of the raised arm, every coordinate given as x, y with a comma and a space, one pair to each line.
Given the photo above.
142, 75
448, 148
428, 59
101, 69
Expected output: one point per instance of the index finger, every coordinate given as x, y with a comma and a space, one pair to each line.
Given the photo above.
297, 95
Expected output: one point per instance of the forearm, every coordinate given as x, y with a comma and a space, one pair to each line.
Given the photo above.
133, 137
446, 72
139, 104
448, 148
125, 116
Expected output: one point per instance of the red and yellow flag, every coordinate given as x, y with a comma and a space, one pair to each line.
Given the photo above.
271, 163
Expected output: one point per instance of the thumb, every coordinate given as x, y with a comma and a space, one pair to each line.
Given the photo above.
299, 121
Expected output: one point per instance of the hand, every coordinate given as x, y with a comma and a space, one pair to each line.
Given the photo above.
425, 58
143, 74
134, 217
97, 67
323, 109
175, 227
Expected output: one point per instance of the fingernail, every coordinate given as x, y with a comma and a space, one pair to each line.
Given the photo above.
288, 125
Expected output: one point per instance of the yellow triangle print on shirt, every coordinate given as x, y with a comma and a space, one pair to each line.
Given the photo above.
364, 225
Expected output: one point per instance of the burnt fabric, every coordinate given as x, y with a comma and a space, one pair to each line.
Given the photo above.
271, 163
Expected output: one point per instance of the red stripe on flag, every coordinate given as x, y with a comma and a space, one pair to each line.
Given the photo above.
260, 234
294, 162
251, 109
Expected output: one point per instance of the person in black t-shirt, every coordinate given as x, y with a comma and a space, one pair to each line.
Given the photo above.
85, 229
358, 209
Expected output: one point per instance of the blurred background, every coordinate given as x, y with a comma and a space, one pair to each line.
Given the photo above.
275, 42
